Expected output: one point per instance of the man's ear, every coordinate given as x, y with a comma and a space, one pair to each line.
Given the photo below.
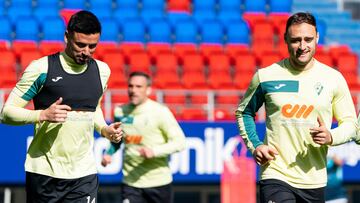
66, 36
148, 91
317, 37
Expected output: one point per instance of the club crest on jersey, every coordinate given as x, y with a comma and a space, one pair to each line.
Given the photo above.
318, 88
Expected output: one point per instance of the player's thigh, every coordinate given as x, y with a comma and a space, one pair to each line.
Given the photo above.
316, 195
83, 190
131, 194
272, 191
40, 189
159, 194
278, 191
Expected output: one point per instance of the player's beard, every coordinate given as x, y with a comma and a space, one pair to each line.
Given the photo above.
82, 59
302, 58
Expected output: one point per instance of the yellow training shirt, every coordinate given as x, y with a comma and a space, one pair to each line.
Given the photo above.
60, 150
293, 101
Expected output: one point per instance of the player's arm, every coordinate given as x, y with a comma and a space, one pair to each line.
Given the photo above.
245, 115
174, 134
112, 132
344, 113
107, 156
357, 138
15, 113
246, 112
112, 148
29, 85
100, 122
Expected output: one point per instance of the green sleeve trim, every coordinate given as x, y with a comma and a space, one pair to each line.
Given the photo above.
117, 118
113, 148
249, 114
35, 87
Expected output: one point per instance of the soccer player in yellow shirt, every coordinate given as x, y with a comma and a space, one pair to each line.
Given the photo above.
301, 96
151, 135
66, 89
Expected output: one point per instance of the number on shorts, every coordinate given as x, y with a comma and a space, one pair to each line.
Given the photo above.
88, 199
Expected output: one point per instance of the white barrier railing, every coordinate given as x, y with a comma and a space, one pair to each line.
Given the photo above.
159, 95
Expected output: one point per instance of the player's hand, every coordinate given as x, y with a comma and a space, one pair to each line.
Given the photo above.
106, 159
264, 153
321, 135
146, 152
113, 132
55, 113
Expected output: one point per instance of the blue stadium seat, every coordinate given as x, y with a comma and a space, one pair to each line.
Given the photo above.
159, 31
3, 3
48, 3
102, 12
255, 5
5, 28
42, 13
229, 5
211, 32
321, 28
110, 30
153, 4
174, 17
237, 32
22, 3
53, 29
133, 30
14, 12
121, 15
101, 4
27, 28
186, 31
71, 4
225, 16
315, 6
149, 14
204, 4
330, 17
283, 6
125, 4
2, 11
201, 15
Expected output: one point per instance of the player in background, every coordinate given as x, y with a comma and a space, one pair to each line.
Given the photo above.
335, 191
151, 135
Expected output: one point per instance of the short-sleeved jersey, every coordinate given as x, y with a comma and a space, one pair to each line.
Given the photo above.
293, 102
60, 150
152, 125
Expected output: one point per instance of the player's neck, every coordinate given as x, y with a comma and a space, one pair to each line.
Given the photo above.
301, 67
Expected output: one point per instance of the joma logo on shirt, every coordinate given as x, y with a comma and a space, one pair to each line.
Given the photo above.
279, 86
57, 79
297, 111
133, 139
